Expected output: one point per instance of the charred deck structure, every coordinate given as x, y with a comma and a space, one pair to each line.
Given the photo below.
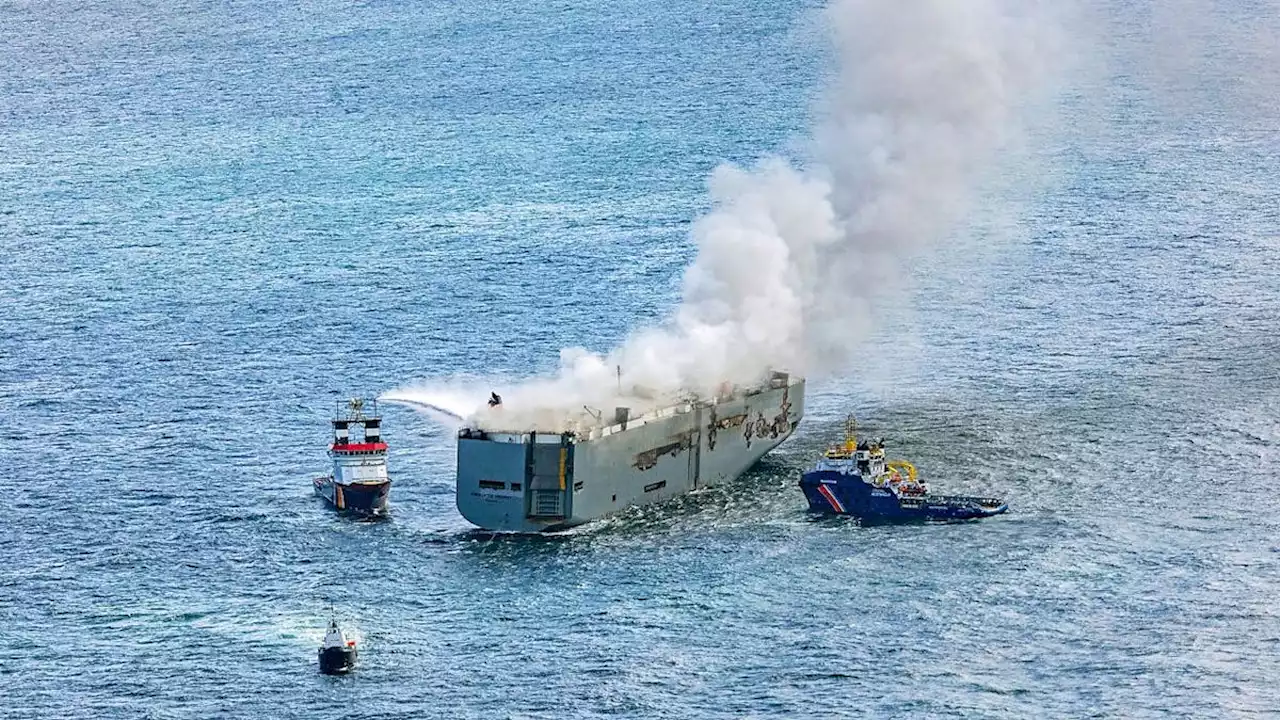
524, 481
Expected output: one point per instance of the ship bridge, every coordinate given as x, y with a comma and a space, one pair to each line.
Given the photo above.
362, 458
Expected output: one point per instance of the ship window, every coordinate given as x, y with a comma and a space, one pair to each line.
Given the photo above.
655, 486
515, 486
492, 485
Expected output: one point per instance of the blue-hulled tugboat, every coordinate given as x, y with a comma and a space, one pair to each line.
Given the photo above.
853, 478
337, 653
359, 482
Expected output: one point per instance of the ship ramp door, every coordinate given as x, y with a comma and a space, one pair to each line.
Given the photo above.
549, 472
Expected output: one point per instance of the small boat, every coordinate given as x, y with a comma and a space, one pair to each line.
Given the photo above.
337, 653
853, 478
359, 482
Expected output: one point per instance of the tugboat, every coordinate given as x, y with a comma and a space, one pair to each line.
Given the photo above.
359, 482
853, 478
337, 653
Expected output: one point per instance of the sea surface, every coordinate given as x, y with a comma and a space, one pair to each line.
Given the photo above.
217, 218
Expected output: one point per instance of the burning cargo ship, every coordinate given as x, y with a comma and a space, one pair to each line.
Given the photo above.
516, 479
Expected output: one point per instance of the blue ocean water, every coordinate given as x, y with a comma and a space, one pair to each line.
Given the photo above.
217, 218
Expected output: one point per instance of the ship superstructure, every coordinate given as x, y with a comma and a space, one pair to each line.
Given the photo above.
358, 482
518, 480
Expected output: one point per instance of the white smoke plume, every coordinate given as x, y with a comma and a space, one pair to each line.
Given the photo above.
793, 260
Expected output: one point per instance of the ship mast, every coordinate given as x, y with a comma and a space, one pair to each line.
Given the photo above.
847, 448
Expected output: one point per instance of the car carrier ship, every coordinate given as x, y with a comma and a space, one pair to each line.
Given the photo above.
515, 479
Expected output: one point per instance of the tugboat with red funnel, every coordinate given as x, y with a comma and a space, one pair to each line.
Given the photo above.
359, 482
853, 478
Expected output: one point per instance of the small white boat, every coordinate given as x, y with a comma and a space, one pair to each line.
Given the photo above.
337, 653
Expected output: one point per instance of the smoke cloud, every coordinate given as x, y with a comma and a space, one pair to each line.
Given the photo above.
794, 259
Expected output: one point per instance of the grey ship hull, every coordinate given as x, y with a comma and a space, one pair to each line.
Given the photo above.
536, 482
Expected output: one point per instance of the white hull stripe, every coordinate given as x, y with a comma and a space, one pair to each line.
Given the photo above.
831, 498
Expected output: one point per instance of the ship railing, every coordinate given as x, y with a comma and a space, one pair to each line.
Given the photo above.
832, 464
679, 408
966, 500
640, 420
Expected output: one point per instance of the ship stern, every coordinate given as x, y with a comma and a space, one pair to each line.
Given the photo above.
515, 482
